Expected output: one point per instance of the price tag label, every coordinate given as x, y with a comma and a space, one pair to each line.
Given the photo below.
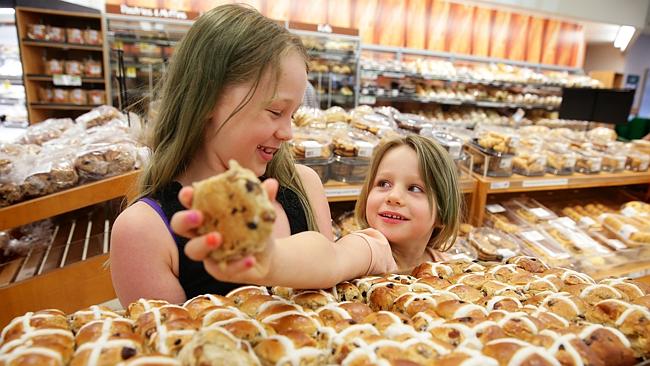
616, 244
565, 221
367, 99
505, 163
587, 221
342, 192
533, 235
495, 208
540, 212
66, 80
325, 28
394, 75
365, 149
545, 182
131, 72
505, 253
312, 149
500, 185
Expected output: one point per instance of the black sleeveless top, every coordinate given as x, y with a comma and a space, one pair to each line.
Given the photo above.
192, 275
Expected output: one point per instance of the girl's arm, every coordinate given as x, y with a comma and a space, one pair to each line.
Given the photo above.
143, 257
316, 195
305, 260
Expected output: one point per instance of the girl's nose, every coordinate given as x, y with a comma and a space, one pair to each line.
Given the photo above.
284, 132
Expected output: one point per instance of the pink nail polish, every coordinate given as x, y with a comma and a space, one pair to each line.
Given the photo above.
249, 262
193, 217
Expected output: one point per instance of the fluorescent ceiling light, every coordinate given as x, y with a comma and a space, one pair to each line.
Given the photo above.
7, 11
623, 36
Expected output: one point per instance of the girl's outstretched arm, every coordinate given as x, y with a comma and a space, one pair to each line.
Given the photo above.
304, 260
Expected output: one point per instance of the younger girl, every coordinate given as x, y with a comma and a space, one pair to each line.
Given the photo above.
410, 200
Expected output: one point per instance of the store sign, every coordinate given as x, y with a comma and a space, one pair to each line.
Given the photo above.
66, 80
150, 12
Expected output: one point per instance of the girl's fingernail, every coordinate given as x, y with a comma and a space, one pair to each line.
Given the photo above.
193, 217
211, 240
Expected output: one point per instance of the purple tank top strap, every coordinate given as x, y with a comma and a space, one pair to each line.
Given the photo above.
153, 204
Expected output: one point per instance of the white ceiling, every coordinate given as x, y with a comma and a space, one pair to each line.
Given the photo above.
600, 32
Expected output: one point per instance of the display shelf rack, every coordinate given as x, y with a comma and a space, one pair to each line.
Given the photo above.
517, 184
71, 199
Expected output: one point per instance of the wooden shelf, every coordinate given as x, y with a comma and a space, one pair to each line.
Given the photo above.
341, 192
68, 200
49, 78
65, 46
69, 289
63, 107
516, 183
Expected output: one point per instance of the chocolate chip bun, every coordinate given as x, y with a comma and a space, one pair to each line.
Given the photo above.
235, 204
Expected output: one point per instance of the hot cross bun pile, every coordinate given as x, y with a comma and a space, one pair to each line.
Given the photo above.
520, 312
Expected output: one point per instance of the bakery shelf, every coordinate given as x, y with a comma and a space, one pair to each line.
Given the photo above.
65, 201
516, 184
477, 103
64, 106
495, 83
65, 46
84, 80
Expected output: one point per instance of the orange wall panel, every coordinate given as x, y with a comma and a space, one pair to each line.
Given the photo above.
535, 39
364, 20
278, 9
313, 11
438, 25
392, 17
551, 38
518, 32
460, 21
481, 32
340, 13
416, 28
500, 34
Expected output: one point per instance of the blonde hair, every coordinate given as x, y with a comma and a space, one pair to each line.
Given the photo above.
228, 45
438, 172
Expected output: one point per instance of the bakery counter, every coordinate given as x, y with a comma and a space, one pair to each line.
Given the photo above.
65, 201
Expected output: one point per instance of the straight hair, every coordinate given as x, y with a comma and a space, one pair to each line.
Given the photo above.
438, 172
228, 45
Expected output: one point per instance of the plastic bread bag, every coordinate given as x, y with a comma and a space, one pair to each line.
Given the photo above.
635, 208
375, 123
46, 130
12, 176
53, 66
100, 116
103, 160
347, 223
20, 241
412, 122
53, 171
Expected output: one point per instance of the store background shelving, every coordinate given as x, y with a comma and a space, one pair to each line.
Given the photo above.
35, 52
132, 35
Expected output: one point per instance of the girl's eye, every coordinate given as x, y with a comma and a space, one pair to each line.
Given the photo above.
275, 113
383, 184
416, 189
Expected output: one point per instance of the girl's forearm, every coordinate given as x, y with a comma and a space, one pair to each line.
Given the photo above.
310, 260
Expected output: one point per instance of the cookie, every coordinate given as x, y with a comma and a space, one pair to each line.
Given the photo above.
235, 204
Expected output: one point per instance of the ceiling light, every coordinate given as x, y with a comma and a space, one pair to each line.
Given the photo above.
7, 11
623, 36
